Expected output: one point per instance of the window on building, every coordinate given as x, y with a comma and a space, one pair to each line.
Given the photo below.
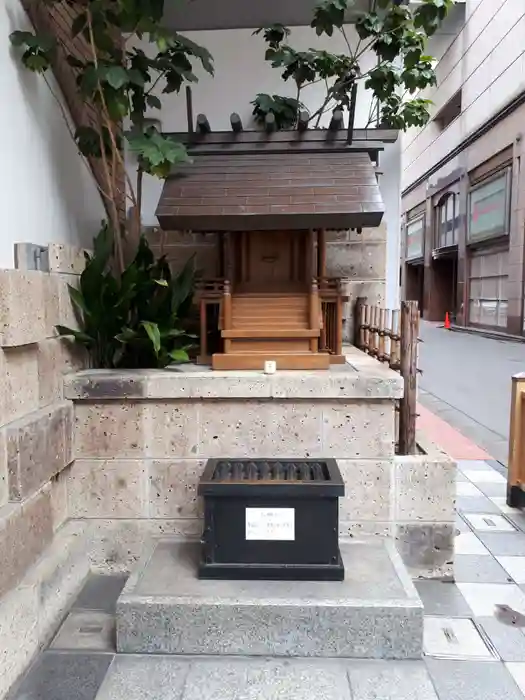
488, 299
446, 218
414, 237
450, 111
489, 208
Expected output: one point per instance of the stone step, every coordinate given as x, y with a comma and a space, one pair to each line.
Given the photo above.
375, 613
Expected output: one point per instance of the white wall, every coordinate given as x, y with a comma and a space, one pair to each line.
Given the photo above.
46, 193
487, 62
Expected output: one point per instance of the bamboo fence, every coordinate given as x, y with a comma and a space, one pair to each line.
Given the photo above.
392, 337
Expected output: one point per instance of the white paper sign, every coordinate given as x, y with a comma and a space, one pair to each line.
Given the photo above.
270, 524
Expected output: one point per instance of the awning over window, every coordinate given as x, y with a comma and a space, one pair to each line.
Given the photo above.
278, 191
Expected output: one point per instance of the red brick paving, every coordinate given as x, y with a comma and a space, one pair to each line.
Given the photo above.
448, 438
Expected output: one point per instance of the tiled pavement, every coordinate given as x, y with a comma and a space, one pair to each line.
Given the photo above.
474, 634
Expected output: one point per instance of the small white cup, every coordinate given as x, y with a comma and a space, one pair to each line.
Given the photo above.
270, 367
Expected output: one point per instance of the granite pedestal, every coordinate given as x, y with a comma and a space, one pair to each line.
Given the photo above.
374, 613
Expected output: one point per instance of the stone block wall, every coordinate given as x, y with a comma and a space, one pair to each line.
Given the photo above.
142, 440
36, 443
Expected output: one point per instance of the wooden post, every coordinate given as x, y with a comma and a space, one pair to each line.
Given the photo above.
204, 331
339, 321
302, 121
372, 338
516, 473
203, 125
366, 328
381, 354
314, 314
359, 331
227, 313
321, 253
394, 341
408, 360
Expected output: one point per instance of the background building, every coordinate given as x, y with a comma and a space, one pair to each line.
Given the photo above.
463, 185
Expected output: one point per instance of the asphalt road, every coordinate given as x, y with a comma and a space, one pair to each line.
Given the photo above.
467, 381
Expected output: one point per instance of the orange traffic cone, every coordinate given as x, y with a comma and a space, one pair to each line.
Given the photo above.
447, 321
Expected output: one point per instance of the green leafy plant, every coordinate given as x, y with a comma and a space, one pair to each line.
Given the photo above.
285, 109
136, 318
396, 31
118, 82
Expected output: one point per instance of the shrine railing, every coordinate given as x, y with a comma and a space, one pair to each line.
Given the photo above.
331, 297
326, 299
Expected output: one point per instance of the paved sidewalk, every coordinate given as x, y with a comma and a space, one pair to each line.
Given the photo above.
474, 634
466, 381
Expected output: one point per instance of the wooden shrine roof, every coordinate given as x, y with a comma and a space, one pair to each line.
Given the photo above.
223, 191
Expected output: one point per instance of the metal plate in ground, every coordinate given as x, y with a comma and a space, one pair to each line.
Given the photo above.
488, 522
454, 638
86, 630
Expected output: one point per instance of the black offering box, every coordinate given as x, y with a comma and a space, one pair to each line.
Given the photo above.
271, 519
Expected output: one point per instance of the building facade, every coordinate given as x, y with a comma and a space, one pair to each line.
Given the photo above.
463, 197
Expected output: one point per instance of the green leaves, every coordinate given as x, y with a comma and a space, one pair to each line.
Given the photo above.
274, 35
430, 13
136, 319
153, 332
157, 153
285, 109
38, 50
395, 30
329, 15
119, 78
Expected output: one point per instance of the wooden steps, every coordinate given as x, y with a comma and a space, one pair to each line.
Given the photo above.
281, 333
270, 327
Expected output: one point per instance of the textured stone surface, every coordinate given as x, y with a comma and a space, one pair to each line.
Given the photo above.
364, 531
25, 530
260, 428
58, 576
425, 489
4, 491
100, 593
375, 613
374, 680
66, 259
358, 429
145, 678
442, 599
38, 447
427, 548
361, 378
465, 680
368, 490
115, 546
87, 630
30, 612
22, 308
19, 381
109, 430
362, 261
56, 357
107, 488
58, 492
19, 637
266, 680
172, 489
374, 291
171, 429
59, 676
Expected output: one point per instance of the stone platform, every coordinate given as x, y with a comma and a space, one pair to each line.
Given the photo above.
375, 613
